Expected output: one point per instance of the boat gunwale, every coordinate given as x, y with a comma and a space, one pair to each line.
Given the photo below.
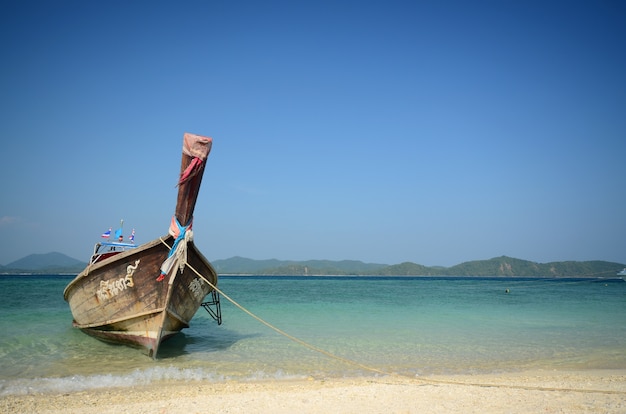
92, 267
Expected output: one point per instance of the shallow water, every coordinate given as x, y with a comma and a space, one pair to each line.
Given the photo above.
413, 326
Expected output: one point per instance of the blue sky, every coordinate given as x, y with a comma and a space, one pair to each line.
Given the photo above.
432, 132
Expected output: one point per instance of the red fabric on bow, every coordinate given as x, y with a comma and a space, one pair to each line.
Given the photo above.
191, 170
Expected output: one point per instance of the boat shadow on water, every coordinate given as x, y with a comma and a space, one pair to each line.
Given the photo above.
185, 343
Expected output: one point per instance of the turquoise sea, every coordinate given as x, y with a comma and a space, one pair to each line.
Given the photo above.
407, 325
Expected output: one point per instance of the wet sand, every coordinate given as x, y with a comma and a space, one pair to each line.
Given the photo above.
600, 391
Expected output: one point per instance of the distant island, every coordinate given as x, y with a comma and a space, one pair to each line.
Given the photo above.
48, 263
503, 266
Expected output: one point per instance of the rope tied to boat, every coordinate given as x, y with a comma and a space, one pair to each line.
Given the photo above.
177, 256
418, 379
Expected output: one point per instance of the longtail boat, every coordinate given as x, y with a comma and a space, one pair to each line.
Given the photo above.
140, 296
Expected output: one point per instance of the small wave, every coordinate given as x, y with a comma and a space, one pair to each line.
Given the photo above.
78, 383
81, 383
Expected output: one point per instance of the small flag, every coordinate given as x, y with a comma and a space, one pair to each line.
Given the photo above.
107, 233
132, 237
118, 234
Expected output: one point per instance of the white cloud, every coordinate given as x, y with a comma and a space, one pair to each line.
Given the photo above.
8, 220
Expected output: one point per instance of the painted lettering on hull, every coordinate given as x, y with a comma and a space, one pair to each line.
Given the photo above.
195, 286
111, 288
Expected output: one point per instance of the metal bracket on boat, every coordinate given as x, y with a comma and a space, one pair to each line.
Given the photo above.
213, 307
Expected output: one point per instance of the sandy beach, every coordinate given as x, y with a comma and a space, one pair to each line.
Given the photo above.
602, 391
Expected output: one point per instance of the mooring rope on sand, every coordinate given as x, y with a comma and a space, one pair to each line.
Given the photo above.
394, 374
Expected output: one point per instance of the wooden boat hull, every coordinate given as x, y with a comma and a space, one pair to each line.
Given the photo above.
120, 300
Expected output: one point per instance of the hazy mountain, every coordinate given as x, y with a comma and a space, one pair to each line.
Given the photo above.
497, 266
48, 263
239, 265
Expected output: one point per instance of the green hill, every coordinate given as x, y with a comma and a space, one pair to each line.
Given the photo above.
508, 266
498, 266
